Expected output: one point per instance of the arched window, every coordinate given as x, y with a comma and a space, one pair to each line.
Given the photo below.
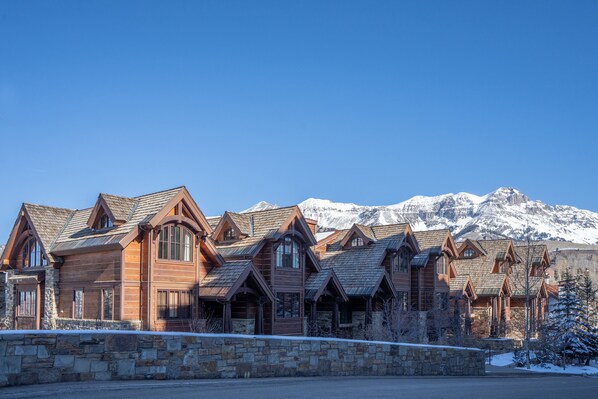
357, 241
105, 222
287, 253
32, 254
175, 243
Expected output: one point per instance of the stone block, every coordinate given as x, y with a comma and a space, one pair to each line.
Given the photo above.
149, 354
98, 365
64, 361
25, 350
42, 352
49, 376
10, 365
173, 344
121, 343
102, 376
82, 365
126, 367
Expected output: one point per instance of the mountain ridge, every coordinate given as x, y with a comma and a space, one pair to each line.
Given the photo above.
503, 213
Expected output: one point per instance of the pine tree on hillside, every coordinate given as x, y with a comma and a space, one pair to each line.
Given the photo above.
568, 330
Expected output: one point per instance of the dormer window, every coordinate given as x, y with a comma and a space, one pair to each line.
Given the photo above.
356, 242
32, 254
105, 222
229, 234
175, 243
287, 254
468, 253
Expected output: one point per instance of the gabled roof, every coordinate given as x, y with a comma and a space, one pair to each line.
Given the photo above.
268, 224
66, 231
360, 269
223, 282
317, 283
76, 234
537, 252
119, 209
435, 241
47, 222
461, 285
480, 268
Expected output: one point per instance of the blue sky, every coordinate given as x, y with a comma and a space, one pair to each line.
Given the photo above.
366, 102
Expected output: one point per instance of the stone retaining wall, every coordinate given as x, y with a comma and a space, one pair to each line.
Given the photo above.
32, 357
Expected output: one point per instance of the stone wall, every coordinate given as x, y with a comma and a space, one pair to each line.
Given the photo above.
88, 324
31, 357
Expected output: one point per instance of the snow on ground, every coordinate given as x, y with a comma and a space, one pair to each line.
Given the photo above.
502, 360
506, 360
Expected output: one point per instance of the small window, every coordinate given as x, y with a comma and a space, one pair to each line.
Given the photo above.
174, 304
78, 304
287, 254
357, 242
229, 234
441, 265
105, 222
27, 303
468, 253
175, 243
346, 315
107, 304
287, 305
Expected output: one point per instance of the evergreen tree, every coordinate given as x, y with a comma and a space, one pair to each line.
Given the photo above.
587, 297
568, 332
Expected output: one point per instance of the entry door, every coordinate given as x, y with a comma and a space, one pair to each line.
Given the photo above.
27, 314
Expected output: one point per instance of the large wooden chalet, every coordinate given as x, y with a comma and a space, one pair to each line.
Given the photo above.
155, 262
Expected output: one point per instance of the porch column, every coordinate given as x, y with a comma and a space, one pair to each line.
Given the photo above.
334, 321
368, 311
468, 328
227, 318
313, 319
259, 321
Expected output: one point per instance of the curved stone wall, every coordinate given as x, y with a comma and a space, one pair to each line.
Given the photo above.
34, 357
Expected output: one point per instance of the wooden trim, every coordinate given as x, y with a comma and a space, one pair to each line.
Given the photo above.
349, 236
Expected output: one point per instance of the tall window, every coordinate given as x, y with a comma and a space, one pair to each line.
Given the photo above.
402, 300
174, 304
287, 253
357, 241
468, 253
401, 261
441, 265
78, 304
27, 303
105, 222
107, 303
287, 305
175, 243
32, 254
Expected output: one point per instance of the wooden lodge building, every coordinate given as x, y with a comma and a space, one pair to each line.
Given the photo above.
155, 262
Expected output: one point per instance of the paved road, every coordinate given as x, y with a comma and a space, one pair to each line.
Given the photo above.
497, 387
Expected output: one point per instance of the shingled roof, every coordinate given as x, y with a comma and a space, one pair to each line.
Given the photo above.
431, 240
62, 231
459, 285
266, 225
360, 269
222, 282
317, 282
479, 269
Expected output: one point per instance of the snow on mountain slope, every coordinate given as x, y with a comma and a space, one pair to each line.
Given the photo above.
260, 206
504, 213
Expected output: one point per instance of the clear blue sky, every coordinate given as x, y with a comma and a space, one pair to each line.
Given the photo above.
367, 102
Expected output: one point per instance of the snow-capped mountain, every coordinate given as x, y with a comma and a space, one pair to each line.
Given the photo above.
260, 206
504, 213
1, 248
